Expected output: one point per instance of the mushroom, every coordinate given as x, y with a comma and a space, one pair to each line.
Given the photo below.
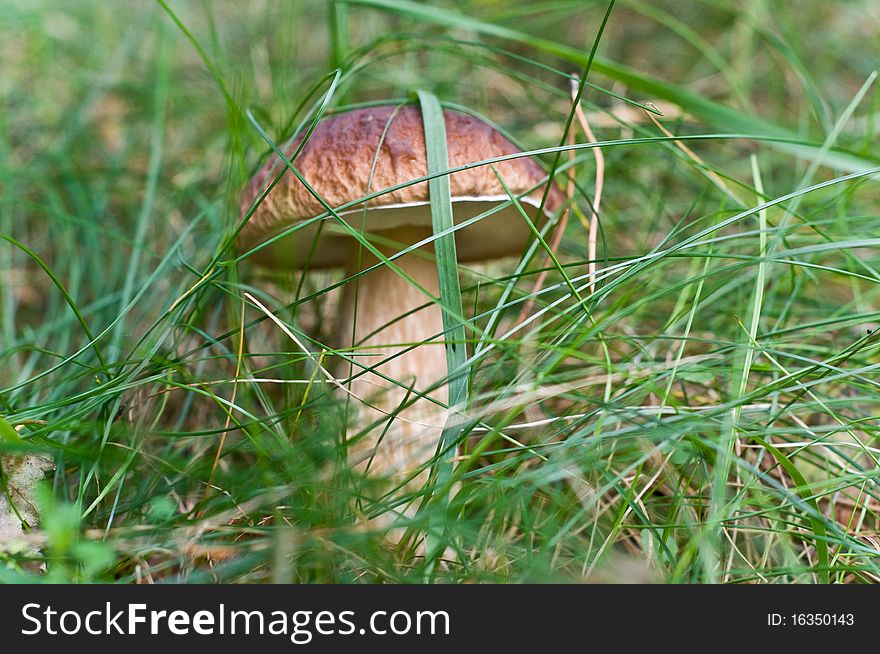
383, 314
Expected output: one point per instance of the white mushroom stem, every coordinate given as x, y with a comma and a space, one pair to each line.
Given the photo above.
382, 315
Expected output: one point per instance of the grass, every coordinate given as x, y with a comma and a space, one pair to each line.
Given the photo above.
709, 414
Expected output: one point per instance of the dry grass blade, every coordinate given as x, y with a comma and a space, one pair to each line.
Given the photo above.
593, 224
597, 194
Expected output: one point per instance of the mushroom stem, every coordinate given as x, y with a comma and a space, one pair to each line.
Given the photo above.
382, 315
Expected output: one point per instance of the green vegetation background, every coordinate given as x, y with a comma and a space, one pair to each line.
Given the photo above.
708, 414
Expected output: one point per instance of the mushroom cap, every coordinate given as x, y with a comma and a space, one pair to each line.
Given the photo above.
341, 163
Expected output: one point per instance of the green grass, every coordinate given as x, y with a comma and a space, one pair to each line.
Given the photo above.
709, 414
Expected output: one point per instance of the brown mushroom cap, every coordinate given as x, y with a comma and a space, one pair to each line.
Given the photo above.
340, 162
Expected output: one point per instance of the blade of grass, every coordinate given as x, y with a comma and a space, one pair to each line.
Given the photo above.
450, 299
820, 534
338, 33
157, 137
